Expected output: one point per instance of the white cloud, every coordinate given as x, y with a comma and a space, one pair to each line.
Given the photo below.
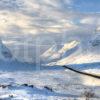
88, 20
40, 17
8, 19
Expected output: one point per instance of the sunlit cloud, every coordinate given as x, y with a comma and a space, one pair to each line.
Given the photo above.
88, 20
40, 17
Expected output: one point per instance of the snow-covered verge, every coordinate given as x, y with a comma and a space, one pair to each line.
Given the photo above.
47, 85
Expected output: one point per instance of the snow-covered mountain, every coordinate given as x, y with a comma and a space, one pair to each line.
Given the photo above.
73, 55
9, 63
49, 52
5, 53
54, 53
79, 59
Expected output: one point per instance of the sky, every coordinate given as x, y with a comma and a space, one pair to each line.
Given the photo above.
87, 6
38, 17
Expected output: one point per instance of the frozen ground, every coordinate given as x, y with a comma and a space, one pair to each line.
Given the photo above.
47, 85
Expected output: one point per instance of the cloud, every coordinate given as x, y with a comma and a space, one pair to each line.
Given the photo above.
8, 19
41, 17
92, 22
88, 20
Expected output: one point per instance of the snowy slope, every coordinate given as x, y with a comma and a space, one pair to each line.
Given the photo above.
5, 53
33, 85
51, 51
77, 52
80, 59
9, 63
54, 53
